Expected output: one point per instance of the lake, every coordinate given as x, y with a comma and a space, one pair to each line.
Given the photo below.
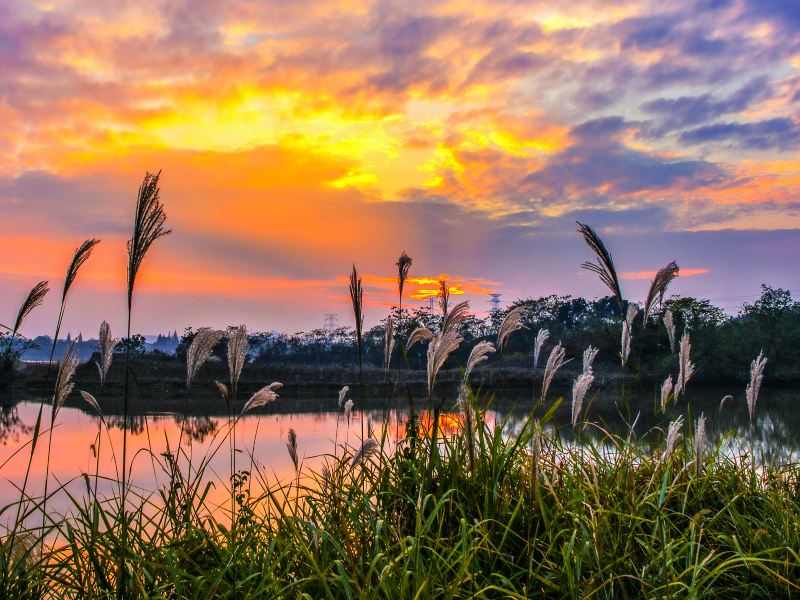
261, 438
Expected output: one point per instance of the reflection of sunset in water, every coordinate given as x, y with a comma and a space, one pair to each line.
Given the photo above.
260, 442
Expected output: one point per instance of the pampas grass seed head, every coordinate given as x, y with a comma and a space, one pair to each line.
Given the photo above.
756, 375
199, 350
342, 394
541, 338
367, 449
263, 396
66, 371
511, 323
34, 299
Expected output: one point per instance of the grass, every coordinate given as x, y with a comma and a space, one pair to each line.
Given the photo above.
537, 515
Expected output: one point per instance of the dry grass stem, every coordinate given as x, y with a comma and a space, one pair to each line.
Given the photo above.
388, 346
91, 401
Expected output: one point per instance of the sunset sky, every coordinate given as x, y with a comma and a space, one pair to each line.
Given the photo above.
296, 138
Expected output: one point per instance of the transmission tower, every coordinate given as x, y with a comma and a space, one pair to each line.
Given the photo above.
494, 303
331, 321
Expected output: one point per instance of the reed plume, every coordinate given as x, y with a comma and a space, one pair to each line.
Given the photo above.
685, 365
579, 389
403, 266
223, 390
673, 433
342, 394
554, 362
444, 296
291, 446
442, 345
666, 390
658, 288
627, 332
348, 410
367, 449
756, 375
64, 384
107, 345
34, 299
388, 344
263, 396
604, 267
700, 442
418, 335
725, 399
148, 226
480, 353
237, 356
455, 316
91, 401
511, 323
199, 350
541, 338
669, 325
588, 358
82, 254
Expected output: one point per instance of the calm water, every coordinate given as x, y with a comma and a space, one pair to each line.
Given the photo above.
261, 439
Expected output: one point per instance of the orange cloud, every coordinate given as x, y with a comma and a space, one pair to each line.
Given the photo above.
648, 275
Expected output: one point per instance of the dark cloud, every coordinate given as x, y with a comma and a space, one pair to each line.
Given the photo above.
619, 169
677, 113
779, 133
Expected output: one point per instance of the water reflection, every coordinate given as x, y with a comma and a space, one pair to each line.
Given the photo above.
774, 437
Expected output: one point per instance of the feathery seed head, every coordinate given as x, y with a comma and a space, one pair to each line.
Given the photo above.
480, 352
444, 295
658, 288
291, 446
511, 323
368, 448
91, 401
588, 358
700, 442
669, 325
685, 365
82, 254
442, 345
541, 338
199, 350
673, 433
554, 362
263, 396
357, 298
756, 375
666, 390
418, 335
342, 394
66, 371
604, 267
579, 389
148, 226
455, 316
107, 345
625, 343
348, 409
403, 266
34, 299
237, 354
